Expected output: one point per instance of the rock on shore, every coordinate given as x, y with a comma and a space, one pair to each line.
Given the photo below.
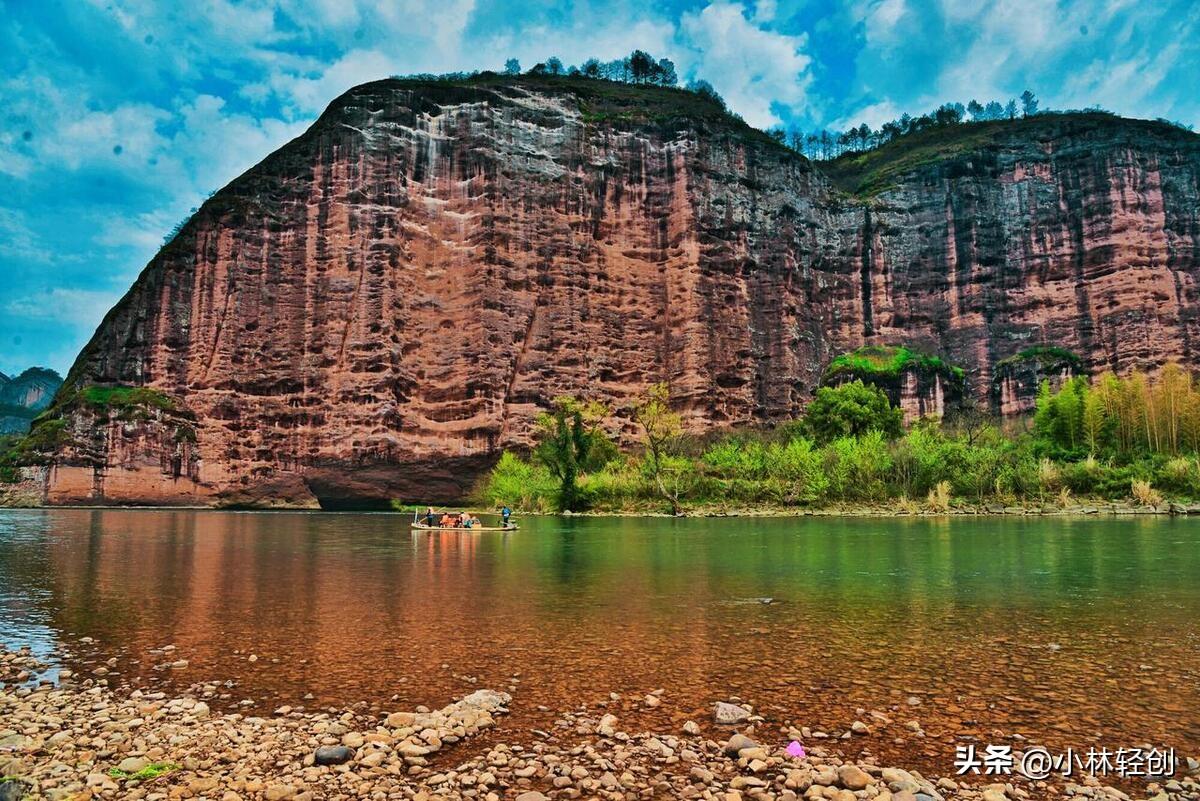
85, 741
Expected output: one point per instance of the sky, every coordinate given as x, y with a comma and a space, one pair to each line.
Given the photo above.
117, 117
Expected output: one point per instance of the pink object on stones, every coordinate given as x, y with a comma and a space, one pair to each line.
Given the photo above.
796, 750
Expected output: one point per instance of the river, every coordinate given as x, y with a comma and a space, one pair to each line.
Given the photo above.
1067, 632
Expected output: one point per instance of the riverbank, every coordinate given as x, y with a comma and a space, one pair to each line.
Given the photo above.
1098, 507
64, 736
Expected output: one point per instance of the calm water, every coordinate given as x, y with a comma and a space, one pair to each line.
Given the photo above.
1068, 632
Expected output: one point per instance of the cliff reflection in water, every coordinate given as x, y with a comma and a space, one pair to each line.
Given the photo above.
1054, 629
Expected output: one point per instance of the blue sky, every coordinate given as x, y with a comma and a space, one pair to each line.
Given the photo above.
117, 117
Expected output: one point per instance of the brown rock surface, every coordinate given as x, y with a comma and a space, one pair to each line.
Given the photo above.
382, 305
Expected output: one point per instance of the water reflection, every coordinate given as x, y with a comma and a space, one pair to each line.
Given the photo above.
1059, 630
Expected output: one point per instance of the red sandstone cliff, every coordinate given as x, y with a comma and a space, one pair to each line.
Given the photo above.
379, 307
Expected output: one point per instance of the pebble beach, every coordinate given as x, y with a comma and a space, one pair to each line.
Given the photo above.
64, 736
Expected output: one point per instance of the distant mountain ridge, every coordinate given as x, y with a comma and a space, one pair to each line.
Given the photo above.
25, 396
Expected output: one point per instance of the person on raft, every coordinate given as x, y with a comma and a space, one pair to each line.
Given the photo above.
505, 514
429, 518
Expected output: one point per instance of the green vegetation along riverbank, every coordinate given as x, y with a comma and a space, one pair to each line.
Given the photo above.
1105, 444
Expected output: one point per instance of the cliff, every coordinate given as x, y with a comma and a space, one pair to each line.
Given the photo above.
919, 384
1016, 379
382, 305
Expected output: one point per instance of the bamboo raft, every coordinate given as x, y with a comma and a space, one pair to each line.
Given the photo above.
472, 529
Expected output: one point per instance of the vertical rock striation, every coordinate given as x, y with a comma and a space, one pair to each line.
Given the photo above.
1074, 231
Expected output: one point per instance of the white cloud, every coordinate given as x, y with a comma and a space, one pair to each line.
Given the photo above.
874, 115
1128, 56
1008, 40
140, 232
379, 39
220, 145
13, 162
764, 11
16, 240
750, 66
880, 20
1131, 86
310, 94
65, 305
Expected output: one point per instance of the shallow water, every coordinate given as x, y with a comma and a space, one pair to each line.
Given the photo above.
1069, 632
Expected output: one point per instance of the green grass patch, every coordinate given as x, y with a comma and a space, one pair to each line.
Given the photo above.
869, 173
1044, 355
44, 439
121, 397
50, 431
8, 442
887, 361
151, 771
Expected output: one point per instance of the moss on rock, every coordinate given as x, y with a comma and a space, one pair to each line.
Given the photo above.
1045, 357
888, 363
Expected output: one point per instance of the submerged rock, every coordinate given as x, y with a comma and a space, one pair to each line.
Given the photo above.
730, 714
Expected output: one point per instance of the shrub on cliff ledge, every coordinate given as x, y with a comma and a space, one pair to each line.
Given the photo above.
121, 397
885, 361
9, 474
44, 440
850, 410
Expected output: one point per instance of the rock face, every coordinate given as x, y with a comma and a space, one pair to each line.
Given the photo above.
381, 306
919, 384
22, 398
1015, 380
